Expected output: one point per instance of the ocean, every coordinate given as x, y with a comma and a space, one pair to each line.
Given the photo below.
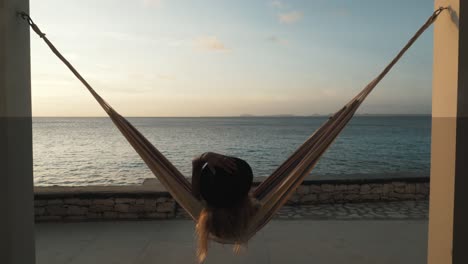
91, 151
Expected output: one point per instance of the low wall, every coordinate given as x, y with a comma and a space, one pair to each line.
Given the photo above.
153, 202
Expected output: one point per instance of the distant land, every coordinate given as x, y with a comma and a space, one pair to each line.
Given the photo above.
357, 114
279, 115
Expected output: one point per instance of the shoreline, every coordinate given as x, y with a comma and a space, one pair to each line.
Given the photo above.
250, 116
328, 178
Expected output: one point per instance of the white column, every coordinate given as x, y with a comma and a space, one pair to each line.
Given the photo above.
448, 219
16, 178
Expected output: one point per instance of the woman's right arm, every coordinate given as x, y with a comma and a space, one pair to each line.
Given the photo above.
213, 160
197, 165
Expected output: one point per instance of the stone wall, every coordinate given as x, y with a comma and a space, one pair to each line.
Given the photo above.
109, 208
360, 191
149, 202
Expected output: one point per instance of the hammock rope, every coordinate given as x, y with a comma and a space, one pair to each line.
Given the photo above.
276, 189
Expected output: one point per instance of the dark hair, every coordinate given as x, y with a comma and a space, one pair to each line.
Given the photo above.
221, 189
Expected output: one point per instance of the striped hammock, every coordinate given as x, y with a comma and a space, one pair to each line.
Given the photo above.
273, 192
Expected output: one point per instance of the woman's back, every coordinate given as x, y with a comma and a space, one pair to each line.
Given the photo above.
223, 183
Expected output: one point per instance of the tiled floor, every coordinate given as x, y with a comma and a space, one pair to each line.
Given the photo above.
281, 241
358, 211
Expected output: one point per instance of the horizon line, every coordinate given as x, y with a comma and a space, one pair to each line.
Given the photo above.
236, 116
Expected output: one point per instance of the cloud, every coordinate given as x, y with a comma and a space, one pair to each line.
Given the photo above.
290, 17
210, 43
167, 77
130, 37
330, 92
152, 3
148, 39
178, 42
277, 40
342, 12
277, 4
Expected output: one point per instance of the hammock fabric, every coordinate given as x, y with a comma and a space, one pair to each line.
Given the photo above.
273, 192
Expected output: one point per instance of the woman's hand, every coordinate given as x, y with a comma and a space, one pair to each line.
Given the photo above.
213, 160
221, 161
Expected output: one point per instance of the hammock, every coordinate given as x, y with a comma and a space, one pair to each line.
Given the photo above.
273, 192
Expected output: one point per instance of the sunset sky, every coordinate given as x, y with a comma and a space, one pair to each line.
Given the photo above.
226, 58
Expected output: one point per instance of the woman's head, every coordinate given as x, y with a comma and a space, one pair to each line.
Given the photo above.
221, 189
229, 207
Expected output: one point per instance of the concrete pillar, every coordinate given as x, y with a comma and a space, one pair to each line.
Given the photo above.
448, 218
16, 177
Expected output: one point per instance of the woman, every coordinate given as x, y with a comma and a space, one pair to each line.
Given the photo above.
223, 183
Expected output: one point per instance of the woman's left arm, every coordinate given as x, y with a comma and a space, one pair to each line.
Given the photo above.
197, 165
214, 160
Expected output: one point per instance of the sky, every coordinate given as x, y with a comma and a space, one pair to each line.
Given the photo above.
228, 58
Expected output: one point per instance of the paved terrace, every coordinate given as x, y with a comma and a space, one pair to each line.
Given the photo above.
377, 233
409, 210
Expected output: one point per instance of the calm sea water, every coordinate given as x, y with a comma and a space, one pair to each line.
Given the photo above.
91, 151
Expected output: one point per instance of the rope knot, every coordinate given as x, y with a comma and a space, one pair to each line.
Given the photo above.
439, 10
34, 27
37, 30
